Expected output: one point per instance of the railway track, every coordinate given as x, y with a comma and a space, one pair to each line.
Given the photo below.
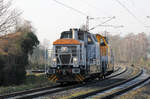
88, 88
49, 90
128, 86
117, 88
123, 70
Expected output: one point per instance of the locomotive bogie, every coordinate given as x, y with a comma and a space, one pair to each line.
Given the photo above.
67, 75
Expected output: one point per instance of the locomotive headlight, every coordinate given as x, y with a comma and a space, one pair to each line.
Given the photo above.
54, 59
75, 59
64, 49
75, 62
54, 62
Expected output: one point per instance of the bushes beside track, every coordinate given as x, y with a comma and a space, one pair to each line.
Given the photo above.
31, 81
14, 53
2, 63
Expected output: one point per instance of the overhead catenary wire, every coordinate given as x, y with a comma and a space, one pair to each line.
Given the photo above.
94, 7
82, 13
103, 23
131, 1
130, 12
67, 6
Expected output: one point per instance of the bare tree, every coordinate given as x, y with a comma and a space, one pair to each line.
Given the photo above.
8, 16
24, 26
132, 48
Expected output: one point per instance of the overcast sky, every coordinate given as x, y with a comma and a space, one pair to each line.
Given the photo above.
51, 18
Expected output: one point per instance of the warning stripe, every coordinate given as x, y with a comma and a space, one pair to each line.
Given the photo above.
53, 78
81, 77
78, 77
50, 77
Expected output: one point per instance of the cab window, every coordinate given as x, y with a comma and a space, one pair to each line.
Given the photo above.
81, 36
66, 35
102, 43
90, 40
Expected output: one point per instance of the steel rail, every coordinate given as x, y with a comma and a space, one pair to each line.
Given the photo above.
115, 94
108, 87
27, 91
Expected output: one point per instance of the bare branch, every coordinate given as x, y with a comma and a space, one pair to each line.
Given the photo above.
8, 16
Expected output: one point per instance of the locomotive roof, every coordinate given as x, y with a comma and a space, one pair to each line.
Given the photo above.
79, 31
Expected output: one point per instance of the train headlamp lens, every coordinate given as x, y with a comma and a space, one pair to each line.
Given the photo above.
75, 59
54, 59
54, 64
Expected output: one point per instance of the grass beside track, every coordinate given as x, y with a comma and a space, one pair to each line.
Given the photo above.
32, 81
140, 93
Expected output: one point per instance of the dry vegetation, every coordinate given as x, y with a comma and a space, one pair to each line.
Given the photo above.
131, 48
7, 43
14, 51
32, 81
140, 93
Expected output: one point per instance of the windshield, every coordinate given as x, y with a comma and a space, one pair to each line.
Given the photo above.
66, 34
